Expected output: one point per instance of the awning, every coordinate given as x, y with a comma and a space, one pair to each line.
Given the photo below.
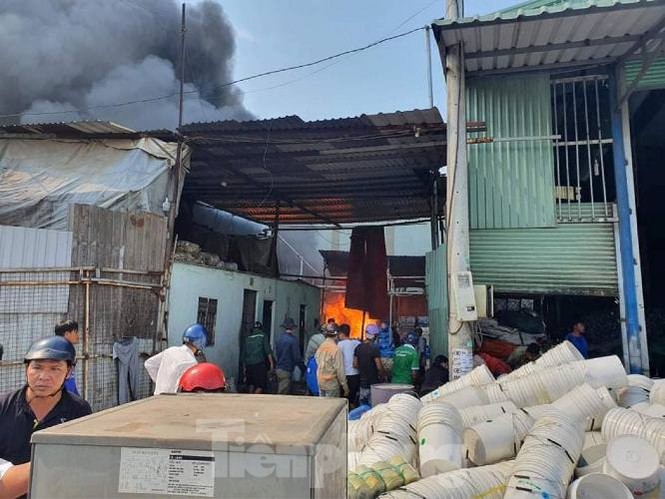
353, 170
555, 36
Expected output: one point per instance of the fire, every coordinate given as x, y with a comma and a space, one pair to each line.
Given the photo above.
334, 308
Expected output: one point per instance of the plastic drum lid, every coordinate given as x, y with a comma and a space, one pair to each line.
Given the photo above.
633, 457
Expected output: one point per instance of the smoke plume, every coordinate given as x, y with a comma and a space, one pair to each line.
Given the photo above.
73, 55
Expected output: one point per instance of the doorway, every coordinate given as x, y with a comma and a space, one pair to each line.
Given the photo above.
647, 122
247, 322
266, 319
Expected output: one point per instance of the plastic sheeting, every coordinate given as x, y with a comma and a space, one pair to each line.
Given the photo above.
39, 179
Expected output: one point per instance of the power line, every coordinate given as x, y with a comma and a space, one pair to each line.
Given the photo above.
223, 85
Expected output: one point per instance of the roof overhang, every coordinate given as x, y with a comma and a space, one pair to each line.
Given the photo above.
565, 35
365, 169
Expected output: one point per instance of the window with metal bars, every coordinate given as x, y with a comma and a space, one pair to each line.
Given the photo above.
583, 149
207, 315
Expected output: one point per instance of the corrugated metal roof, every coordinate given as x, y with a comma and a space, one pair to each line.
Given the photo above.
349, 170
653, 78
72, 128
567, 33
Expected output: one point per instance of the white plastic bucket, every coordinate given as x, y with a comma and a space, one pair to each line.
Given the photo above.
466, 397
586, 404
479, 413
598, 486
496, 440
606, 371
634, 462
648, 409
440, 449
640, 380
633, 395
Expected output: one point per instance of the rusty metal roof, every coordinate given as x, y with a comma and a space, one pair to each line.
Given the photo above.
350, 170
569, 33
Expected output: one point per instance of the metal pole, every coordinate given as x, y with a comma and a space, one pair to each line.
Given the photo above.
629, 299
86, 339
428, 42
460, 343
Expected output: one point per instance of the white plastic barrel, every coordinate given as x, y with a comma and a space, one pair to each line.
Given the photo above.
606, 371
658, 392
439, 439
496, 440
466, 397
633, 461
632, 395
479, 376
587, 404
648, 409
593, 454
563, 353
381, 393
598, 486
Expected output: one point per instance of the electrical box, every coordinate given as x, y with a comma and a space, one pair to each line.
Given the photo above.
464, 298
484, 300
197, 445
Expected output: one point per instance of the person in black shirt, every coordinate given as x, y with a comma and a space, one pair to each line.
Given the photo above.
436, 375
40, 404
367, 359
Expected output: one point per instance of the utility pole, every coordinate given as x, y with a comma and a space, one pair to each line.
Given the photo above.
460, 342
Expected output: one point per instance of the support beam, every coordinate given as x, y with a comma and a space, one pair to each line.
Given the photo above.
627, 220
460, 343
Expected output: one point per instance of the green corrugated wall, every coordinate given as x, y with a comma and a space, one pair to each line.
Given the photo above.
572, 259
437, 300
511, 184
653, 78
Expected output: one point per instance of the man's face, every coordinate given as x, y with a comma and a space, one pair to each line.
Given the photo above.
580, 328
73, 336
384, 325
45, 377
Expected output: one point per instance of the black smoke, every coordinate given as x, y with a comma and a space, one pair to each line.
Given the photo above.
63, 55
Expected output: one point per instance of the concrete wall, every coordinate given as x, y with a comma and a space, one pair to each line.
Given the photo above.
189, 282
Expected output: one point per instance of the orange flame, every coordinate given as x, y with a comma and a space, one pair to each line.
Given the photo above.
333, 308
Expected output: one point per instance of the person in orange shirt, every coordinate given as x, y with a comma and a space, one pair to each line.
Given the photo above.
330, 373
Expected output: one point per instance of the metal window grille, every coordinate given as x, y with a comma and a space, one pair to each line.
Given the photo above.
582, 149
207, 315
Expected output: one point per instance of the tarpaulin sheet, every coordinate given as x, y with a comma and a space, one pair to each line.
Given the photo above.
40, 178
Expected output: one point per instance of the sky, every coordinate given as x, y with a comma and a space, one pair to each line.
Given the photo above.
272, 34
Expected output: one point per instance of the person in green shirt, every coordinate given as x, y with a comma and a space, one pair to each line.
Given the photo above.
256, 357
406, 362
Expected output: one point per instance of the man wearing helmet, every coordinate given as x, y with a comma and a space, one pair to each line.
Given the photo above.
165, 368
41, 403
407, 361
204, 377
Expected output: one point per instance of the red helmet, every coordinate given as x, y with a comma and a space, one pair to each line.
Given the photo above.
202, 377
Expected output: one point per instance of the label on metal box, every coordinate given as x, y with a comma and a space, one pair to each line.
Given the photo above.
174, 472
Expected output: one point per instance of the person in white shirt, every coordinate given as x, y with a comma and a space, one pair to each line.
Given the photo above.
165, 368
348, 347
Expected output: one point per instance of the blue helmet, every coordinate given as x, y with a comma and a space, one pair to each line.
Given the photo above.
411, 339
197, 335
51, 348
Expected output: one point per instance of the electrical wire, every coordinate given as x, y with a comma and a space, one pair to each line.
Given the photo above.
223, 85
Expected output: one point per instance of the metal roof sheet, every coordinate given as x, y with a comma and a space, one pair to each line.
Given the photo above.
567, 33
349, 170
72, 128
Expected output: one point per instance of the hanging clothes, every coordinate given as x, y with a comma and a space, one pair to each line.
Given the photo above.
367, 279
126, 355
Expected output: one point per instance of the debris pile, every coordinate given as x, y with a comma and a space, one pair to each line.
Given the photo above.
559, 427
186, 251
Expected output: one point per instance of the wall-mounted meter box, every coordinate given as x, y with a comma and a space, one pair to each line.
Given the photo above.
197, 445
464, 297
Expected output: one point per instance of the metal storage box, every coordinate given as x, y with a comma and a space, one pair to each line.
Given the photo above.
197, 445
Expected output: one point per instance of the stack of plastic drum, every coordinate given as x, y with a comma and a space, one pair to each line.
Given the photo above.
479, 413
546, 461
479, 376
634, 462
498, 439
439, 439
485, 481
563, 353
395, 433
586, 404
